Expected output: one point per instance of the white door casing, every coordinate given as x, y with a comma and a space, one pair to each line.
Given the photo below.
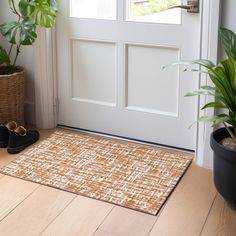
208, 22
211, 12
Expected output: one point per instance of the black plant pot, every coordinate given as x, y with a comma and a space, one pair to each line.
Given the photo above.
224, 168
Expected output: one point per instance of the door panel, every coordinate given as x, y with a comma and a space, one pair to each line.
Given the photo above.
92, 80
145, 77
110, 76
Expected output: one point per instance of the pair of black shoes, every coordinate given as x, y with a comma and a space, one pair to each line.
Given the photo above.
16, 138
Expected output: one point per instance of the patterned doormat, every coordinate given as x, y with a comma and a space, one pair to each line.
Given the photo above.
131, 175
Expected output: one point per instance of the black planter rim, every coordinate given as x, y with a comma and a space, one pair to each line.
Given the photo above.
216, 137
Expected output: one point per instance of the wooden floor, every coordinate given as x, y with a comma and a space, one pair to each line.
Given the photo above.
194, 208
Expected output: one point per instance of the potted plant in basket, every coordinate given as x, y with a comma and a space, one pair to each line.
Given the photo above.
20, 32
223, 140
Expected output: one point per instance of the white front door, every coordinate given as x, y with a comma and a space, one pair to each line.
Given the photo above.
110, 76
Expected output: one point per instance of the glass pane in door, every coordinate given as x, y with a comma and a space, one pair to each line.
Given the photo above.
156, 11
96, 9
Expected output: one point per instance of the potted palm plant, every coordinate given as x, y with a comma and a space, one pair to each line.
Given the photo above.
20, 32
223, 140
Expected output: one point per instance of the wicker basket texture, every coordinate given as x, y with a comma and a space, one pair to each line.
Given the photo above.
12, 96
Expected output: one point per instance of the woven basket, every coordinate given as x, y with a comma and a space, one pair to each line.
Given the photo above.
12, 91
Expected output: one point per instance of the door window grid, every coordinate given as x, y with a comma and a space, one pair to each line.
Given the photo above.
94, 9
153, 11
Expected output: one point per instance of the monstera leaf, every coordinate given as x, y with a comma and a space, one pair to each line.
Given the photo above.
41, 12
29, 14
20, 33
53, 4
4, 58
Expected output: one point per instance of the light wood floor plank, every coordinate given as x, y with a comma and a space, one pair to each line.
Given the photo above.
82, 217
26, 210
33, 215
123, 222
12, 192
5, 158
102, 233
188, 207
221, 221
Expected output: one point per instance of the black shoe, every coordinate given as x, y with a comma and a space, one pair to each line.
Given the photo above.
20, 139
4, 133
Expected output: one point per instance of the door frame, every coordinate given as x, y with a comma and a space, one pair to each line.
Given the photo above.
45, 68
210, 21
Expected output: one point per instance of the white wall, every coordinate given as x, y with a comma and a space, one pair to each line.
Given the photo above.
229, 14
26, 60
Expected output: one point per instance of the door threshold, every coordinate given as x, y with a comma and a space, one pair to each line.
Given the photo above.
125, 138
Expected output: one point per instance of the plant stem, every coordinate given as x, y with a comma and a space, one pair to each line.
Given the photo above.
14, 8
230, 132
9, 53
17, 54
18, 46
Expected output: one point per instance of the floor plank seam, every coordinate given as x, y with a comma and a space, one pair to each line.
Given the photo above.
63, 209
157, 217
204, 224
104, 220
38, 186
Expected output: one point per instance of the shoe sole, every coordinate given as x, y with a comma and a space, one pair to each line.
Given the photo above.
19, 149
3, 144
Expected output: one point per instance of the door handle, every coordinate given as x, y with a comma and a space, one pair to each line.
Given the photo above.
191, 7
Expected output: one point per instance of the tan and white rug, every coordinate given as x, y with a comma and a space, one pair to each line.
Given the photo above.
132, 175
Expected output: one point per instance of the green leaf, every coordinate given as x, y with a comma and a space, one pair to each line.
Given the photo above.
223, 77
195, 70
22, 32
205, 63
219, 119
229, 66
207, 87
213, 104
221, 84
196, 93
4, 58
228, 39
23, 8
215, 120
53, 5
7, 30
205, 90
41, 12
